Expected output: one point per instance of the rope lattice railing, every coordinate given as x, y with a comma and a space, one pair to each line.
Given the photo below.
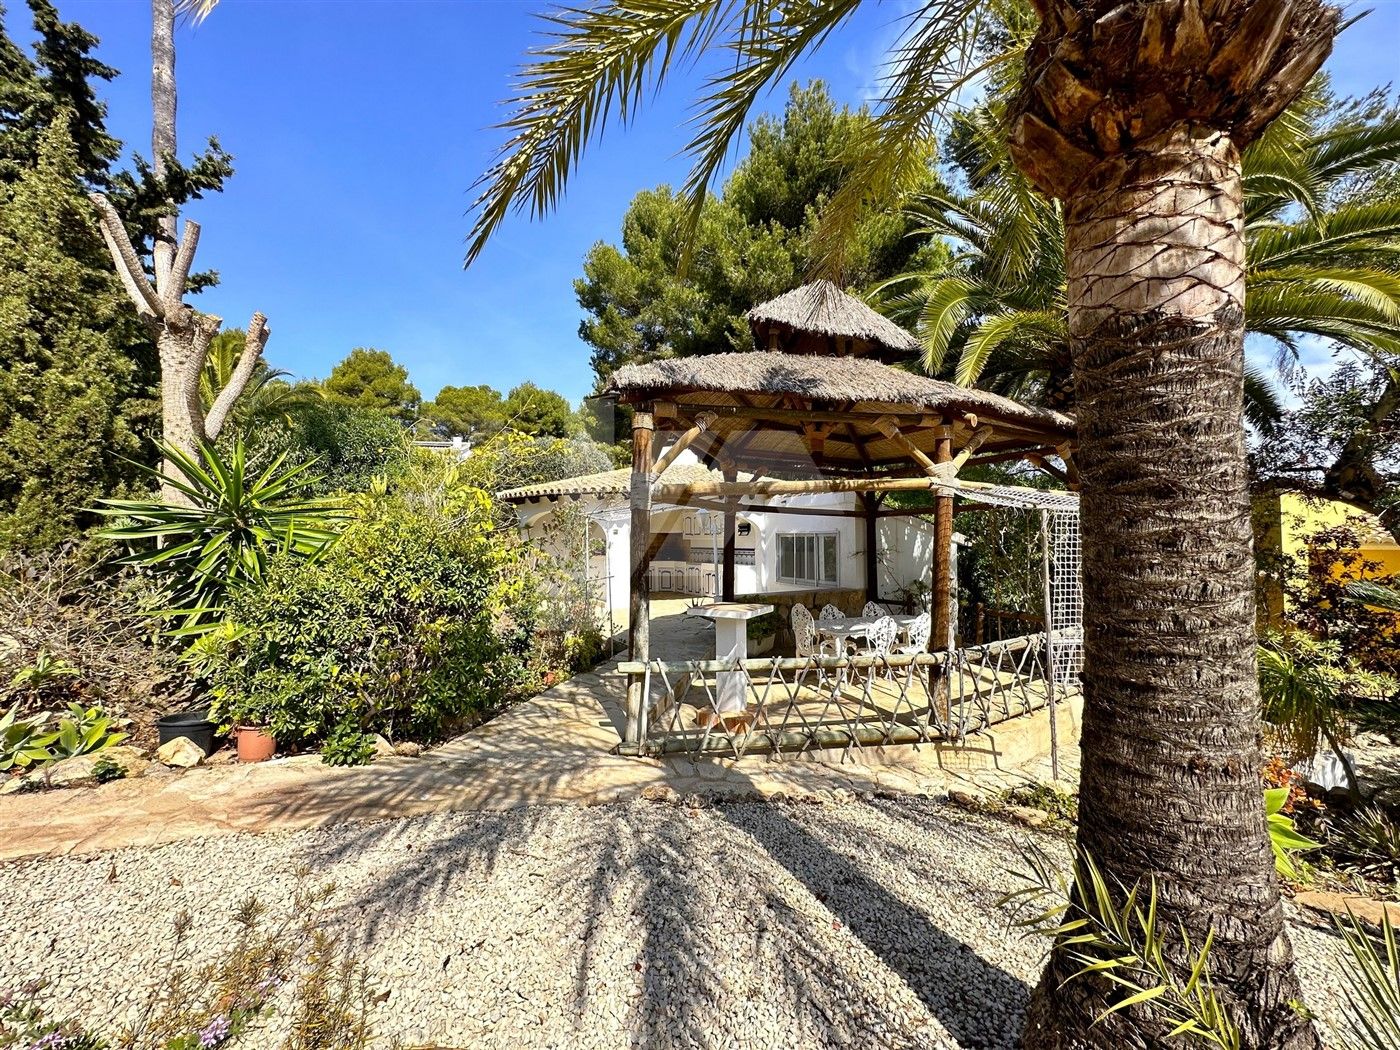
790, 705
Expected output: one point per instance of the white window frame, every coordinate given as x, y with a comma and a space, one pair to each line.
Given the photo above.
812, 566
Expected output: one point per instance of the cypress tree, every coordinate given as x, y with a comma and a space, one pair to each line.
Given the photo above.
66, 384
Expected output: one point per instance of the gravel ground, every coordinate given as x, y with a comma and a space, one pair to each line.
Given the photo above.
849, 924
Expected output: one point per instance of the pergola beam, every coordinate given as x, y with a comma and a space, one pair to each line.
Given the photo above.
703, 422
676, 493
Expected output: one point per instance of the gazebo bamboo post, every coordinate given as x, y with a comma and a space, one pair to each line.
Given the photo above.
942, 544
731, 507
639, 625
871, 501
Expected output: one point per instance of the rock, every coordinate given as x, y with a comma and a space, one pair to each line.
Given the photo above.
79, 770
182, 753
660, 793
382, 747
408, 749
964, 800
1029, 816
225, 756
1371, 912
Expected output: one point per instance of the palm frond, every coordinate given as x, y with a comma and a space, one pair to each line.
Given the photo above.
1347, 226
599, 61
1377, 595
930, 67
195, 10
1263, 405
996, 330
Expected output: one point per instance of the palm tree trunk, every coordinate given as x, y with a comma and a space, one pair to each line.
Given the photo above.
1170, 785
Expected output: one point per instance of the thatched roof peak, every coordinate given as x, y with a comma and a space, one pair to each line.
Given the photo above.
820, 318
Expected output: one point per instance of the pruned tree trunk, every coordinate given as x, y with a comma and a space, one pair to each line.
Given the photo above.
182, 333
1134, 114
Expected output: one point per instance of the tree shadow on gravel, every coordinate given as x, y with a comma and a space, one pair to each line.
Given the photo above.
976, 1001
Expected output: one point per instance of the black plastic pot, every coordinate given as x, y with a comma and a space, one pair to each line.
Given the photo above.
193, 724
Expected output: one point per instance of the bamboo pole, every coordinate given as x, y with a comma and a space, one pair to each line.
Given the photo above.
890, 428
942, 547
730, 519
872, 502
702, 423
674, 493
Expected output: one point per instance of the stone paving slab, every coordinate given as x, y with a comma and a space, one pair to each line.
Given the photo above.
555, 748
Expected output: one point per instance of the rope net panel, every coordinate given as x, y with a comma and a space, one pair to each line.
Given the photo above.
1004, 578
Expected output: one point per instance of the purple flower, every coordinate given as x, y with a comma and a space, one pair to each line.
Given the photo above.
52, 1041
215, 1032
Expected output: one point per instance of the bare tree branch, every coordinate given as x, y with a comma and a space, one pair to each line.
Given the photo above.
128, 265
184, 259
253, 344
205, 327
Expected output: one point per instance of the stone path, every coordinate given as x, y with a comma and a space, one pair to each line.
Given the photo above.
555, 748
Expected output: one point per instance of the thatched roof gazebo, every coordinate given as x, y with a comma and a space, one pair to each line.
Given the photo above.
819, 318
819, 409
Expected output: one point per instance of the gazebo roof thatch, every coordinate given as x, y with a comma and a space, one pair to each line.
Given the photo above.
770, 406
819, 318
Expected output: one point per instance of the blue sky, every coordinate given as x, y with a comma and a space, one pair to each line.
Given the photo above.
358, 127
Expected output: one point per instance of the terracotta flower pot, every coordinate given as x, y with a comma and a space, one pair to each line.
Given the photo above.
254, 744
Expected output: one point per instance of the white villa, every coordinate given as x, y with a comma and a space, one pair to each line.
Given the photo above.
799, 543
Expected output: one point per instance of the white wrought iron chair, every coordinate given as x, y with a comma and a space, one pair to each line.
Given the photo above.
917, 632
830, 612
874, 609
804, 631
879, 641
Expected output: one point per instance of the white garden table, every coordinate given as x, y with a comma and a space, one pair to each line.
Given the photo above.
731, 643
843, 628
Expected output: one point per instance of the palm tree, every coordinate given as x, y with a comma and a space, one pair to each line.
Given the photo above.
266, 396
1134, 116
1316, 264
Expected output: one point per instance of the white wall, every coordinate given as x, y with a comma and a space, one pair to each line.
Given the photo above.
905, 553
905, 549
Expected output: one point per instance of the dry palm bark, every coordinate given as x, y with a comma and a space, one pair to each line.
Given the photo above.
182, 333
1134, 115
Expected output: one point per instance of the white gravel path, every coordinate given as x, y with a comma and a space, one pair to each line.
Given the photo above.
764, 925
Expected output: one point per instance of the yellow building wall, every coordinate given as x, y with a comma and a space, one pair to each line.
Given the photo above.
1283, 523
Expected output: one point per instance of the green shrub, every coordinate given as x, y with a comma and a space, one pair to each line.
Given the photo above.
350, 445
347, 746
24, 742
416, 617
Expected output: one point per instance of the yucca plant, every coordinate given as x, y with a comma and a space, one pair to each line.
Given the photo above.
1301, 682
228, 525
1114, 932
1371, 996
1369, 842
